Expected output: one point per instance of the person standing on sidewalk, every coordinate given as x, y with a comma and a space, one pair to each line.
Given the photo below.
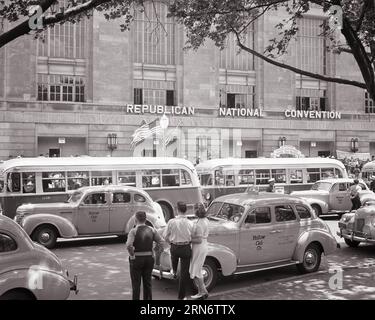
139, 244
199, 252
354, 195
178, 234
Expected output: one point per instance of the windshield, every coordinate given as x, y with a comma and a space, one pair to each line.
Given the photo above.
321, 186
226, 211
206, 179
75, 197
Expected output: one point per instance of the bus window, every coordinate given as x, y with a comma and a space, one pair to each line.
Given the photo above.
313, 175
170, 177
28, 182
262, 176
14, 182
78, 179
327, 173
279, 175
246, 177
338, 173
186, 179
101, 178
53, 181
127, 178
219, 178
229, 178
150, 178
205, 179
295, 176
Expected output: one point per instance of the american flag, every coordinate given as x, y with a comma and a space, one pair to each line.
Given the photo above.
145, 131
172, 134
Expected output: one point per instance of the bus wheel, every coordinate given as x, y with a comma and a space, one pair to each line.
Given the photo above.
167, 211
46, 235
317, 209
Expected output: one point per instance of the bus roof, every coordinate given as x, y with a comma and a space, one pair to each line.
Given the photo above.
88, 162
262, 162
369, 166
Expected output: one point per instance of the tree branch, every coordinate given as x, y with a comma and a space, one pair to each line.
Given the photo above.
299, 71
24, 28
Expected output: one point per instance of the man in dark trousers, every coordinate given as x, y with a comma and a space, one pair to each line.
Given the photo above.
178, 234
139, 244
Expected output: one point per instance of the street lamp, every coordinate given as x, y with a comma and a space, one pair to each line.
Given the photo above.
354, 144
112, 141
164, 123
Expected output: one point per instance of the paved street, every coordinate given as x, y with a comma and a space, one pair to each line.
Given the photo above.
102, 269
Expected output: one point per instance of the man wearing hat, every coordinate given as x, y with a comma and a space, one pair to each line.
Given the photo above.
271, 185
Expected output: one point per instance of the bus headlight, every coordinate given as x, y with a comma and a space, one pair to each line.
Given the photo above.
208, 196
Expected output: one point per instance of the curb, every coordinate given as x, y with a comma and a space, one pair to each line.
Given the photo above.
298, 277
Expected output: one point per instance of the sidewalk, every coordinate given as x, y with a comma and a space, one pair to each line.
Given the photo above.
356, 283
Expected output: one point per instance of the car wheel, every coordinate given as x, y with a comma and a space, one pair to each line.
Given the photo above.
167, 211
46, 235
210, 274
311, 259
17, 295
317, 209
352, 243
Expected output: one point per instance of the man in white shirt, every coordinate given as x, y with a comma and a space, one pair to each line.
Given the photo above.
178, 234
354, 195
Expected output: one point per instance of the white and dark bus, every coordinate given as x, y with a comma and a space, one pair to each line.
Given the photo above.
38, 180
232, 175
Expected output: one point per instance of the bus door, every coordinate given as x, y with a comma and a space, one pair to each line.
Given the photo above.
93, 213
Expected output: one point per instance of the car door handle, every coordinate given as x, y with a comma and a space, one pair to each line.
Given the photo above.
275, 231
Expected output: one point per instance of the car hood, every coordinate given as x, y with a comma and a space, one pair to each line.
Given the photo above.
42, 207
310, 193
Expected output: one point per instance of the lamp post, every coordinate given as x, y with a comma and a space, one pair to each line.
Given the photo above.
354, 145
112, 142
164, 123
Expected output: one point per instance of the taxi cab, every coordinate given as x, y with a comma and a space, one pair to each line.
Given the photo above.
358, 226
332, 195
89, 211
29, 271
250, 232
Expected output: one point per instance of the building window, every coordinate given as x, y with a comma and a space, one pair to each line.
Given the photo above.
232, 58
154, 92
311, 53
236, 96
154, 35
61, 88
369, 104
311, 103
64, 41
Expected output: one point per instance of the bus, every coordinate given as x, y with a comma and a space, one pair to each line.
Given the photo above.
232, 175
368, 171
38, 180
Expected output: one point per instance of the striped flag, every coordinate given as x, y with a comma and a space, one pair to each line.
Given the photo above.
172, 134
146, 130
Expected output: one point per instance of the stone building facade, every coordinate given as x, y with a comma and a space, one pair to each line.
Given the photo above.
63, 96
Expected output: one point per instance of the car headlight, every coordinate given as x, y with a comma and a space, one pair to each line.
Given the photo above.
346, 218
208, 196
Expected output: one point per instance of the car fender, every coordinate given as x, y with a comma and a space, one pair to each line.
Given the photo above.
326, 240
323, 205
64, 226
50, 285
367, 196
225, 256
